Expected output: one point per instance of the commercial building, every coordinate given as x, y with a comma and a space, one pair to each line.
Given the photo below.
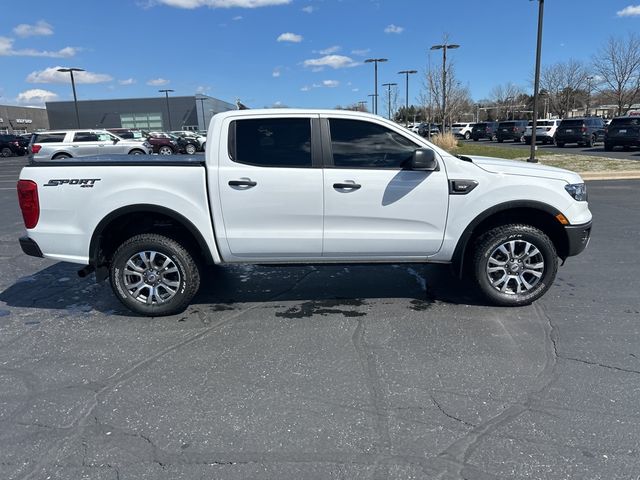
20, 120
183, 113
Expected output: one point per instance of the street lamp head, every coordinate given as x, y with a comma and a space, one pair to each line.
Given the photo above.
72, 69
389, 84
407, 72
371, 60
166, 90
437, 47
453, 46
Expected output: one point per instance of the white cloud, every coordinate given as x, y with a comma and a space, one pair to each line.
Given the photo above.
393, 29
36, 97
201, 89
157, 82
330, 83
191, 4
128, 81
276, 73
355, 89
306, 88
237, 18
289, 37
330, 50
333, 61
7, 50
51, 75
630, 11
309, 9
39, 29
362, 52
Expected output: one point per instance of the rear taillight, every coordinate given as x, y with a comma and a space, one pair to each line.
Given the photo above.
35, 148
29, 203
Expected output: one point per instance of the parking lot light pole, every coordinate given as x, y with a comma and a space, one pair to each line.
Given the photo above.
363, 105
536, 89
389, 85
166, 96
444, 48
375, 61
588, 109
73, 87
406, 100
204, 126
372, 96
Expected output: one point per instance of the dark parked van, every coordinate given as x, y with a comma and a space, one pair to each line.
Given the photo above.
622, 132
511, 130
583, 131
484, 130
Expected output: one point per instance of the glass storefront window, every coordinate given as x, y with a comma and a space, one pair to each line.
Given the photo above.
145, 121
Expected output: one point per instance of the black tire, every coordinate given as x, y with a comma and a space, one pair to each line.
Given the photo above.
467, 136
61, 156
204, 146
560, 144
6, 152
608, 147
186, 275
488, 244
136, 151
190, 149
165, 150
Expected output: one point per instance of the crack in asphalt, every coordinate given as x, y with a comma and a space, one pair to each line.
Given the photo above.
446, 414
458, 453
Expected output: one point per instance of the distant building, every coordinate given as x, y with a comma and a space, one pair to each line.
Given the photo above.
22, 119
185, 113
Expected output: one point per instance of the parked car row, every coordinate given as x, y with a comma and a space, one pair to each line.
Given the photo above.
61, 144
13, 145
587, 131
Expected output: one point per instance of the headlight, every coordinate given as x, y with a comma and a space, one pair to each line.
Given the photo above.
578, 191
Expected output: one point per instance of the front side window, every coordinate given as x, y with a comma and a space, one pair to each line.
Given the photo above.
273, 142
360, 144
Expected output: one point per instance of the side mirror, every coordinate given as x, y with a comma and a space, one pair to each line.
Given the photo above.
116, 140
424, 159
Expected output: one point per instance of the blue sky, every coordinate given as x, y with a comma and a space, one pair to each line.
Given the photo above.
299, 53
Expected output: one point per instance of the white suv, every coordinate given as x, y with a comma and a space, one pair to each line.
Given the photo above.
462, 130
545, 131
61, 144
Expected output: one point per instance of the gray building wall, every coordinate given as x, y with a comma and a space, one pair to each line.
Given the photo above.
22, 119
184, 112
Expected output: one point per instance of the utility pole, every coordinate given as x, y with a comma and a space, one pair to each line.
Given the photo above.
588, 109
373, 96
389, 85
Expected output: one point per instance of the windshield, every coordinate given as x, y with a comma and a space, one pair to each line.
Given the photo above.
626, 121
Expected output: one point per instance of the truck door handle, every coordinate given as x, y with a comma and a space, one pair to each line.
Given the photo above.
242, 183
351, 186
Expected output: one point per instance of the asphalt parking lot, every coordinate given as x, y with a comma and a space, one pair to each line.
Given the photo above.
346, 372
571, 149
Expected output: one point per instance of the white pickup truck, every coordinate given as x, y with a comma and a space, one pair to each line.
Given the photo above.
302, 187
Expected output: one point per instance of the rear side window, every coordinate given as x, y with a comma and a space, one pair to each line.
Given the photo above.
85, 137
572, 123
272, 142
48, 137
626, 121
358, 144
506, 124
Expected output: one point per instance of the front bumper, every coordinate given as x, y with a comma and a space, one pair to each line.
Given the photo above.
30, 247
577, 238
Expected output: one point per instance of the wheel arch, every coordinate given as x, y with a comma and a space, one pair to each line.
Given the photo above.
536, 214
140, 218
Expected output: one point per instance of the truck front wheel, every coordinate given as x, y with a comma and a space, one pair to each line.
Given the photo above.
154, 275
514, 265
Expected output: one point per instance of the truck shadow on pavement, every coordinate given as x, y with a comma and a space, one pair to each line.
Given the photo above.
307, 290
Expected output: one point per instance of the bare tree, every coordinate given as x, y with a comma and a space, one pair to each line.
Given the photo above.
393, 100
564, 84
506, 98
458, 97
617, 66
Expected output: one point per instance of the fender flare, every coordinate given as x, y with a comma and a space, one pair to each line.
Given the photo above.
94, 245
461, 247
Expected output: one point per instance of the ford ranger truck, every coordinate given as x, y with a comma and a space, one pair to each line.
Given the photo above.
303, 187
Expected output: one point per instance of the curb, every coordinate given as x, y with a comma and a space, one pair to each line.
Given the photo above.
622, 175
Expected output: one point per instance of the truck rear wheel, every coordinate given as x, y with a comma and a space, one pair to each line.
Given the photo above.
514, 265
154, 275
